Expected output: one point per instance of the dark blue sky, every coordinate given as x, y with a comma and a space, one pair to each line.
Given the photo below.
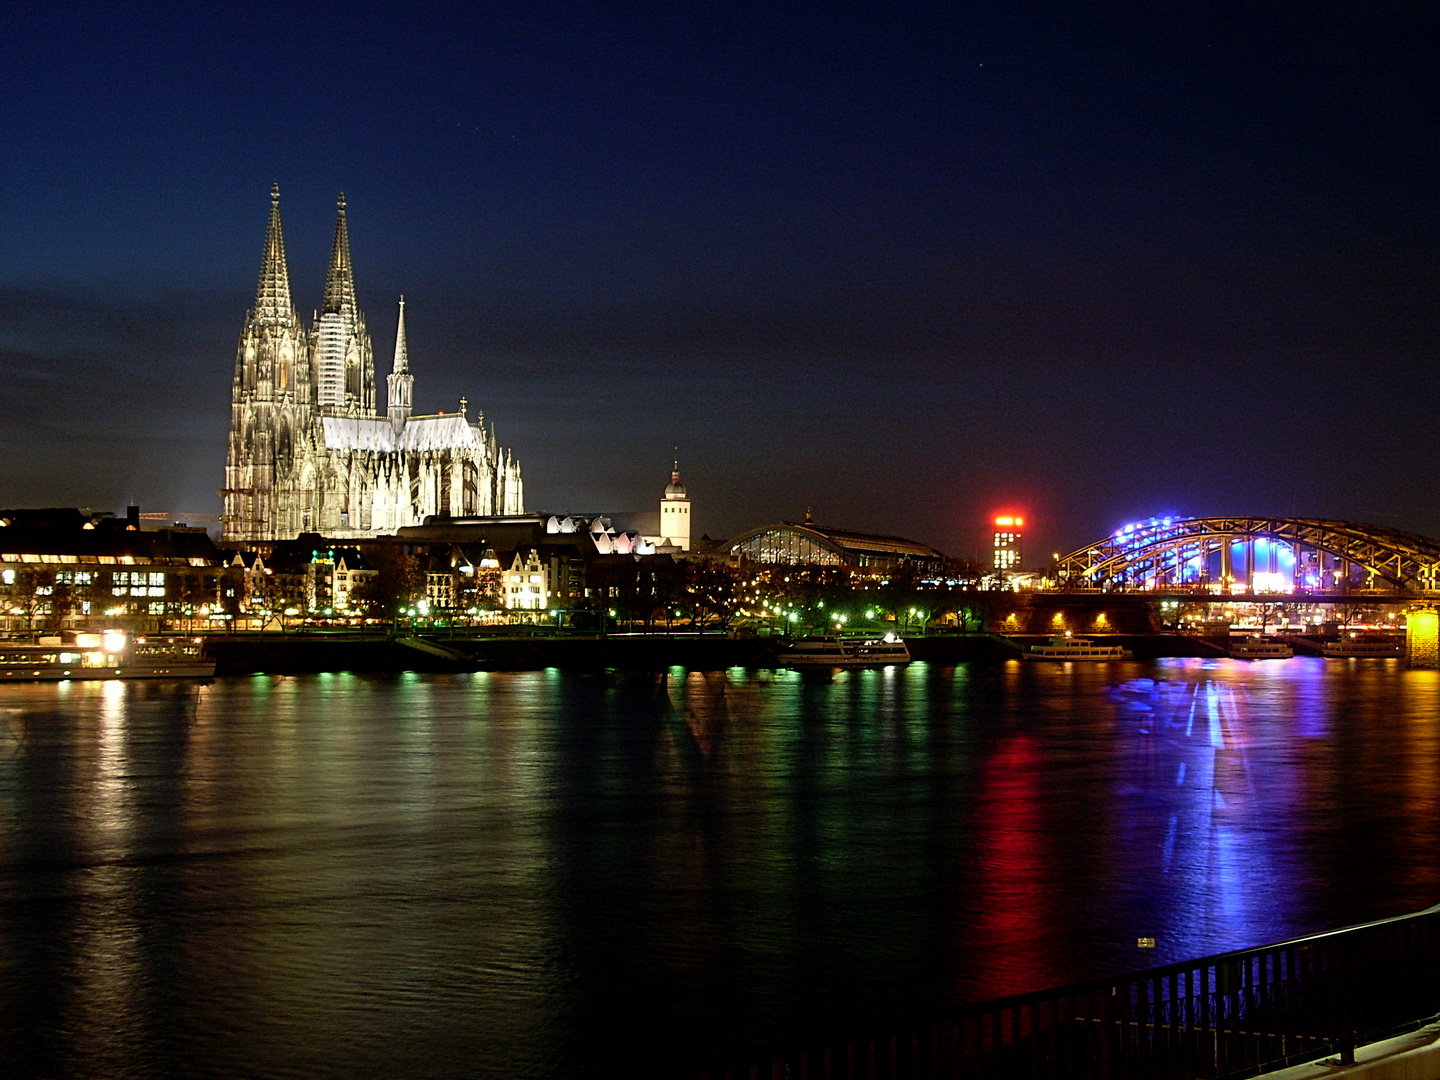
904, 264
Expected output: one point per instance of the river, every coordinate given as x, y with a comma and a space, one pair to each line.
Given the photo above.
547, 874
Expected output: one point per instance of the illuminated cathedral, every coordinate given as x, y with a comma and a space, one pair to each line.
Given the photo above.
309, 452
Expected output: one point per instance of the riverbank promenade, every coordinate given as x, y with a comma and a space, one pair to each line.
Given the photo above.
1363, 1001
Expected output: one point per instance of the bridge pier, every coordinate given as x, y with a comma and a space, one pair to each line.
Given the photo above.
1422, 638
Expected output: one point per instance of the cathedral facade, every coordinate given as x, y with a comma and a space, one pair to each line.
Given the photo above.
309, 452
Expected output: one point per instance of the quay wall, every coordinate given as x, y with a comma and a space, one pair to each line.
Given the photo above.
295, 654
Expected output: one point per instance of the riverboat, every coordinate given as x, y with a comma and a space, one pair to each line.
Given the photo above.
1254, 647
112, 654
1076, 648
834, 651
1356, 647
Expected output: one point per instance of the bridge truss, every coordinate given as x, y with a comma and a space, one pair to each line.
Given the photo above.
1253, 555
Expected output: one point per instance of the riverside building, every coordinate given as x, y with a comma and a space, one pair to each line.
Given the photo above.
805, 544
64, 569
310, 451
1006, 544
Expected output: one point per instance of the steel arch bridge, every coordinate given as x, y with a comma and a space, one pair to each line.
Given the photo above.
1252, 555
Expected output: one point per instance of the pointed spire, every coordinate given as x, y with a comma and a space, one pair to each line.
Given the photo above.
340, 282
272, 297
402, 355
400, 386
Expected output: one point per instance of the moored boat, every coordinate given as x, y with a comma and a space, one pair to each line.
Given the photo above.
1358, 647
1076, 648
835, 651
1256, 647
111, 654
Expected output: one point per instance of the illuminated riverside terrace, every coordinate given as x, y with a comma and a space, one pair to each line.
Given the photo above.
553, 874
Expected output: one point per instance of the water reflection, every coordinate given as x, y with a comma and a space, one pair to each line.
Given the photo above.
539, 874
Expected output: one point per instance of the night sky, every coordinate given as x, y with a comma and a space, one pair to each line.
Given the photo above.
907, 265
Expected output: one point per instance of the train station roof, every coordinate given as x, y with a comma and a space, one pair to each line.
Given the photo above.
808, 543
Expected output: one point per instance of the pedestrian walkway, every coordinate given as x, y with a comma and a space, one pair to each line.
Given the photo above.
1412, 1056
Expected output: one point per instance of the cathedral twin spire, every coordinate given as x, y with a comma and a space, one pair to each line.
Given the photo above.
340, 281
340, 317
272, 297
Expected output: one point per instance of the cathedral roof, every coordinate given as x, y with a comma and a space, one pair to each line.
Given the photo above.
449, 432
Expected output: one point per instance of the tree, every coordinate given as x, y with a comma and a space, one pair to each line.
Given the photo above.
397, 583
668, 589
711, 589
637, 586
29, 594
232, 592
191, 590
268, 593
61, 604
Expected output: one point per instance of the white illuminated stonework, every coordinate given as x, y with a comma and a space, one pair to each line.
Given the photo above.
308, 450
675, 512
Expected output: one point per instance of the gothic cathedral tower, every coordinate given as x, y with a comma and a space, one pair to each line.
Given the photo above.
344, 363
271, 396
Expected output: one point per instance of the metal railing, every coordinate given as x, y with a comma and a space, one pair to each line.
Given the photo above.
1218, 1017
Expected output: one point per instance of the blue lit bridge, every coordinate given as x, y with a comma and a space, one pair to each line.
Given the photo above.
1281, 558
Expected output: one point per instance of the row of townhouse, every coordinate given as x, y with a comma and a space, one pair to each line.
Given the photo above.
310, 575
66, 568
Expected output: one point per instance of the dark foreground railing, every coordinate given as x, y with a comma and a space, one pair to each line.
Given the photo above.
1232, 1015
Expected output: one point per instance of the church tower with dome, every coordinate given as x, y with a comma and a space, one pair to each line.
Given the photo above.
675, 512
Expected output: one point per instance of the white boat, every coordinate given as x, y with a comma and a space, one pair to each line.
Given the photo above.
1255, 647
1076, 648
834, 651
112, 654
1356, 647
